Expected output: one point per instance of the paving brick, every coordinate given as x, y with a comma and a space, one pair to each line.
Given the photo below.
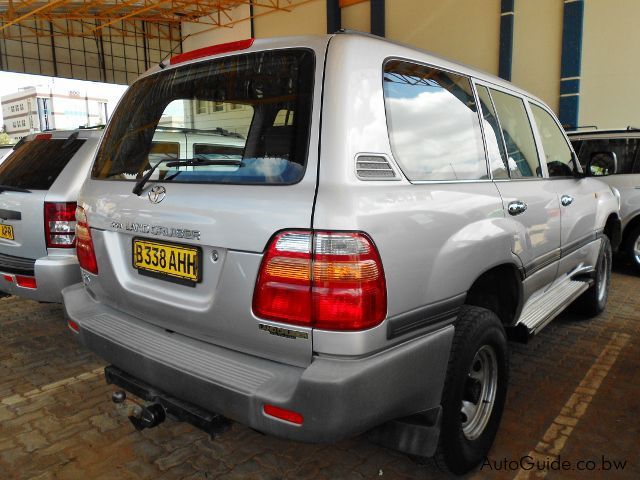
71, 430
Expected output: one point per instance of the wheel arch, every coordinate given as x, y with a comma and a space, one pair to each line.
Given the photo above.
500, 290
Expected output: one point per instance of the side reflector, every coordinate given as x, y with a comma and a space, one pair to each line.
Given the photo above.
73, 326
212, 50
283, 414
26, 282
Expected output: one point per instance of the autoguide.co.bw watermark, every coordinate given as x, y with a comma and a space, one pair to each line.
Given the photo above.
529, 463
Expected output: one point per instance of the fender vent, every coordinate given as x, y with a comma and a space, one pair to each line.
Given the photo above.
369, 167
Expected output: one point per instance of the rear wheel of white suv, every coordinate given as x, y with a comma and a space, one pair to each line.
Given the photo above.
474, 391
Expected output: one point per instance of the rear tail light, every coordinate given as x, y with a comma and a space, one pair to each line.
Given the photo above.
60, 224
26, 282
327, 280
84, 245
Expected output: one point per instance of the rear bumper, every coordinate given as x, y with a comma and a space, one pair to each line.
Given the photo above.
337, 397
52, 274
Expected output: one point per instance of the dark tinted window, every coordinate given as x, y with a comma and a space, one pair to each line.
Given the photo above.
238, 99
216, 151
36, 164
433, 123
626, 150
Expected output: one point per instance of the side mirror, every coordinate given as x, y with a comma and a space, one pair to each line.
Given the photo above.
602, 163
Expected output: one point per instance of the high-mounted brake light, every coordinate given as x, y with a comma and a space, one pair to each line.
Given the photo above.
60, 224
84, 245
212, 50
43, 136
327, 280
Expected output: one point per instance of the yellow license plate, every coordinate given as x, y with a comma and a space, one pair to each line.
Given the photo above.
168, 261
6, 231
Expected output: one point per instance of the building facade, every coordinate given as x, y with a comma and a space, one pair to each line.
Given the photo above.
576, 55
36, 109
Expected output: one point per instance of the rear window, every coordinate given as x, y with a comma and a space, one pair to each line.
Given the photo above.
242, 119
35, 164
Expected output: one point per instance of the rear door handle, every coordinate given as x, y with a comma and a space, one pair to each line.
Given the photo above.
566, 200
516, 207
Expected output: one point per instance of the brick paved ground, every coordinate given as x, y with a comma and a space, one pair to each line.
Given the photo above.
72, 430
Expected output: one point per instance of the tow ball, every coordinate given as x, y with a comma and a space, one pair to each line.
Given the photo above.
143, 417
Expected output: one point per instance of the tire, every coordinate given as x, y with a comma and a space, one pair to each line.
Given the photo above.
633, 247
466, 433
594, 300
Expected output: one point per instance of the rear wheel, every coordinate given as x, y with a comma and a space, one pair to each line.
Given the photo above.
594, 300
633, 247
474, 391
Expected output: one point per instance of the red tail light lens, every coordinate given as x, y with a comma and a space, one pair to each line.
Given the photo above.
283, 414
328, 280
84, 247
73, 326
60, 224
26, 282
212, 50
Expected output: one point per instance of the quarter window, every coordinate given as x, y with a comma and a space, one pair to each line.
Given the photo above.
557, 152
522, 155
433, 123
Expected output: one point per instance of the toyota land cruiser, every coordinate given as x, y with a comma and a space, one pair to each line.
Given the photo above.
392, 216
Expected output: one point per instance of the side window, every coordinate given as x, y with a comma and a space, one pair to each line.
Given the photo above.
495, 145
556, 149
522, 154
433, 123
624, 148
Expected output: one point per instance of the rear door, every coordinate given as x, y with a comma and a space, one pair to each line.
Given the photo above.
527, 197
217, 211
25, 178
578, 203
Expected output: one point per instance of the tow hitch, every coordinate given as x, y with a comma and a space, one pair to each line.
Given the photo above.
160, 406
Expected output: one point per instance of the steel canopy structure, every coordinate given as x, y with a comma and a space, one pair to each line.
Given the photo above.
113, 40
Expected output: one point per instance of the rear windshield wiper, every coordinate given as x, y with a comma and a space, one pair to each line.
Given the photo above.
9, 188
189, 162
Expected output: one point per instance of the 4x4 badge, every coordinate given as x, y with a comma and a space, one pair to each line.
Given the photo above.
157, 193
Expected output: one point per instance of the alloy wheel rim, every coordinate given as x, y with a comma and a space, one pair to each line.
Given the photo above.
480, 391
636, 251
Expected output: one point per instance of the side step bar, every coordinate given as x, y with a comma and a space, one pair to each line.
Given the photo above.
537, 313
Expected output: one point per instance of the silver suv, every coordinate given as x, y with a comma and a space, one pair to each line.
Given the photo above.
392, 215
614, 157
39, 184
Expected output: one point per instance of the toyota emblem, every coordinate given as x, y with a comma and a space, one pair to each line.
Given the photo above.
157, 193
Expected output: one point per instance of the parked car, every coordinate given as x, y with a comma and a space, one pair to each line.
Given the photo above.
39, 184
392, 216
5, 150
594, 147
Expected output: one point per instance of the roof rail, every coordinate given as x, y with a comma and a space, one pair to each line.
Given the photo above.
594, 127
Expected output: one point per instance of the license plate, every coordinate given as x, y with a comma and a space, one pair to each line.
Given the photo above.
6, 231
168, 261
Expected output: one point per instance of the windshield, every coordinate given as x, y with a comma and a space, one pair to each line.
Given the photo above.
35, 164
253, 110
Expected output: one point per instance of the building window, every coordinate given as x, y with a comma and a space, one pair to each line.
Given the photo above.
22, 106
218, 107
201, 106
24, 124
12, 108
